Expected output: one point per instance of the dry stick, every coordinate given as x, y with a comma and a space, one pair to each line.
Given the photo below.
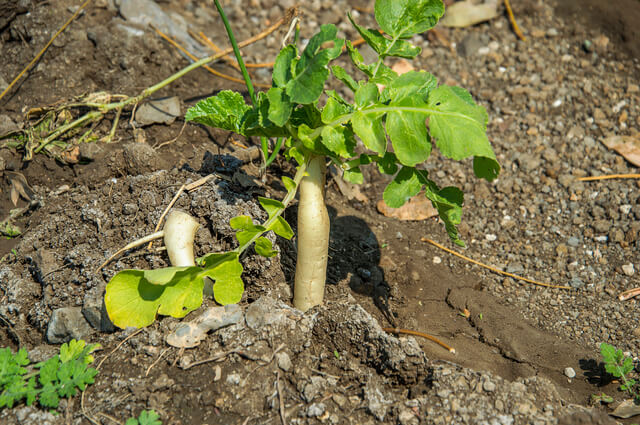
514, 24
168, 142
493, 269
156, 361
208, 68
136, 243
44, 49
211, 359
422, 334
627, 295
283, 413
151, 90
610, 176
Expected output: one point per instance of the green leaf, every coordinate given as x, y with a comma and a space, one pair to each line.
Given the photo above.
263, 247
448, 201
404, 18
353, 175
387, 164
408, 133
404, 185
282, 66
369, 129
289, 184
147, 417
225, 270
281, 228
486, 168
226, 110
311, 72
343, 76
314, 145
384, 46
308, 115
162, 276
271, 206
412, 83
366, 95
280, 106
358, 60
131, 300
257, 121
241, 222
333, 109
608, 352
459, 126
337, 140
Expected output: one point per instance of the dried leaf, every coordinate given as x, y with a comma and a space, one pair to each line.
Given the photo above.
71, 156
19, 187
417, 208
466, 13
402, 67
190, 334
626, 409
627, 146
14, 195
350, 190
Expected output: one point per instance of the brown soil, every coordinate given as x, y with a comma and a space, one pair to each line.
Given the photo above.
509, 366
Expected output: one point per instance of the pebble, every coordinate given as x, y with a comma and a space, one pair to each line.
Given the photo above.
576, 282
67, 323
316, 410
490, 237
488, 386
437, 260
573, 241
569, 372
284, 361
628, 269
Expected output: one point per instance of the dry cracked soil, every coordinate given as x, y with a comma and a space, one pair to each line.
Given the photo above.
525, 354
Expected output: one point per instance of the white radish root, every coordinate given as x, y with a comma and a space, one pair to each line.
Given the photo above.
313, 238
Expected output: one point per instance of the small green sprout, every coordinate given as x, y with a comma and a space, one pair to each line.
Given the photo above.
620, 366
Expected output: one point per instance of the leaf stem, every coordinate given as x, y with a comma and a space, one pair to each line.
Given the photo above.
302, 171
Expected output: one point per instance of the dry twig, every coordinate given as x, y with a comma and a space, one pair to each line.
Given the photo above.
283, 413
512, 19
421, 334
610, 176
493, 269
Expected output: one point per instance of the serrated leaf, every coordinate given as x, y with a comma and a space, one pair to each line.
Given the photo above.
282, 66
257, 122
358, 60
314, 145
459, 127
281, 228
280, 106
131, 300
384, 46
412, 83
225, 270
353, 175
343, 76
408, 132
369, 129
337, 140
226, 110
288, 183
404, 18
333, 109
448, 201
403, 187
263, 247
311, 72
366, 95
608, 352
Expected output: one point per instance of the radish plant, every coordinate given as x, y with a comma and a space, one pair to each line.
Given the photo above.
409, 114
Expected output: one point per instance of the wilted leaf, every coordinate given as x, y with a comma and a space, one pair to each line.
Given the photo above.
467, 13
626, 409
417, 208
627, 146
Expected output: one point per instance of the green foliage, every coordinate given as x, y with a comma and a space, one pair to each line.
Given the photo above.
46, 382
620, 366
147, 417
412, 112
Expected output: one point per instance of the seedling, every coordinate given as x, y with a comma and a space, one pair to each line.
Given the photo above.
620, 366
46, 382
411, 112
147, 417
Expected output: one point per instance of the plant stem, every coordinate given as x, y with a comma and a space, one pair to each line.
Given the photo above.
313, 238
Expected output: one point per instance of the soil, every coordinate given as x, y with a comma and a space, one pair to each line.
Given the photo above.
551, 100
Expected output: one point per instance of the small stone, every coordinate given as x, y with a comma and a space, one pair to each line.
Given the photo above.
407, 417
7, 125
284, 361
552, 32
217, 373
67, 323
576, 282
489, 386
399, 235
625, 209
490, 237
562, 250
628, 269
573, 241
515, 268
162, 111
437, 260
233, 378
633, 88
569, 372
316, 410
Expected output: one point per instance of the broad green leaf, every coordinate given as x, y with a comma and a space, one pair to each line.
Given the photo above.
131, 300
412, 83
289, 184
263, 247
387, 164
258, 123
271, 206
608, 352
314, 145
448, 201
226, 110
367, 94
353, 175
295, 153
163, 275
281, 228
225, 270
404, 185
280, 106
486, 168
311, 72
337, 140
343, 76
459, 127
404, 18
308, 115
384, 46
408, 133
283, 64
241, 222
369, 129
333, 109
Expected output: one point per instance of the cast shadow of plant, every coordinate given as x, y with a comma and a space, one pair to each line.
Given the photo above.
354, 256
595, 372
